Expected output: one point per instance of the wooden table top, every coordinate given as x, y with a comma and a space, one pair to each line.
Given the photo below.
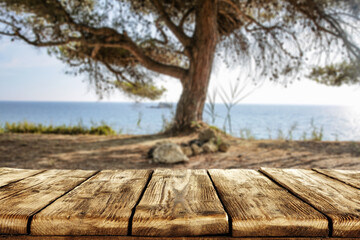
181, 204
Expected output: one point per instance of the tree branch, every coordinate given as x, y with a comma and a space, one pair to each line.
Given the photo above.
151, 64
338, 32
184, 17
125, 42
101, 37
165, 41
177, 31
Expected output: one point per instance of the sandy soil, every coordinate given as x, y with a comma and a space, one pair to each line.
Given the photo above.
119, 152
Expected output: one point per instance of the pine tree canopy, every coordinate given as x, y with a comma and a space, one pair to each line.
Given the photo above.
126, 44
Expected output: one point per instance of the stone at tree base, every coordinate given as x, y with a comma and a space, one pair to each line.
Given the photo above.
187, 150
209, 147
196, 141
196, 149
169, 153
224, 147
151, 150
207, 134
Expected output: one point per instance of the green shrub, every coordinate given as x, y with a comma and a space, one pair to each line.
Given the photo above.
102, 130
26, 127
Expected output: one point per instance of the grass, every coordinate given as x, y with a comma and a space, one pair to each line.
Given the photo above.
246, 134
27, 127
314, 133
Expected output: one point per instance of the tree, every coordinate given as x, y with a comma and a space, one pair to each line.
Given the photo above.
337, 74
126, 43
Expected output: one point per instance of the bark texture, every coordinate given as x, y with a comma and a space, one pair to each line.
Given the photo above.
195, 83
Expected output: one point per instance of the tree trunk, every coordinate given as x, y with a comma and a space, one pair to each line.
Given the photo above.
195, 83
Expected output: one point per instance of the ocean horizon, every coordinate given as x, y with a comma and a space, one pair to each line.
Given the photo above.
261, 121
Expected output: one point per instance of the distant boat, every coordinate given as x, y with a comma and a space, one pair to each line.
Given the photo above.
163, 105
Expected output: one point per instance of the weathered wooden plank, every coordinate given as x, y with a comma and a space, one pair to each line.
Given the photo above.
350, 177
22, 199
9, 175
337, 200
100, 206
259, 207
179, 203
29, 237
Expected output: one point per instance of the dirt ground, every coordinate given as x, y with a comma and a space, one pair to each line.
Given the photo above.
38, 151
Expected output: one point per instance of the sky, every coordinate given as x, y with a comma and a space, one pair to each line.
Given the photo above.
29, 74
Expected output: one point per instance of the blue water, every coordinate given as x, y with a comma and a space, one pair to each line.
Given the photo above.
264, 121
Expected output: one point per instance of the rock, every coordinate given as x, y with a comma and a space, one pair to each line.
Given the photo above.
187, 150
196, 141
169, 153
209, 147
196, 149
151, 150
207, 134
224, 147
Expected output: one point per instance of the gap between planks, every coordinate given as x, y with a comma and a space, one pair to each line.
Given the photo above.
137, 203
223, 204
32, 216
345, 180
30, 219
321, 191
130, 222
153, 238
100, 206
18, 179
330, 223
180, 203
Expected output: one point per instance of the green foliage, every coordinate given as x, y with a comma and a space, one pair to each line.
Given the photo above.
292, 128
102, 130
195, 125
142, 90
138, 123
337, 74
122, 38
316, 133
26, 127
217, 129
133, 41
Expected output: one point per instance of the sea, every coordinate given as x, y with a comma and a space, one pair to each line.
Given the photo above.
257, 121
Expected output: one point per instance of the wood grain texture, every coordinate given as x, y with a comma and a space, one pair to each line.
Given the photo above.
338, 201
9, 175
24, 198
180, 203
259, 207
350, 177
29, 237
100, 206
